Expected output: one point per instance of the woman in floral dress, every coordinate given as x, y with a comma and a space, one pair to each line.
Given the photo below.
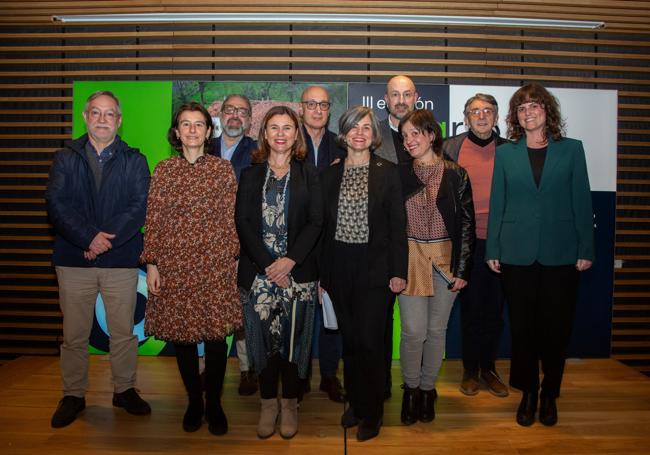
279, 217
190, 250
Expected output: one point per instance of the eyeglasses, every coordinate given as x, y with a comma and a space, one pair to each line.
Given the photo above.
487, 111
109, 116
523, 108
311, 105
240, 111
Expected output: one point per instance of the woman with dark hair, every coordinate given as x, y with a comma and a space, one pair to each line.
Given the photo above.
190, 248
364, 261
440, 230
540, 235
279, 215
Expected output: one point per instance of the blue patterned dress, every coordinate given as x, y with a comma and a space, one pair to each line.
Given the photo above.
278, 321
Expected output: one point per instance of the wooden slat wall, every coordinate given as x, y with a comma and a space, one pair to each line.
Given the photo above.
40, 59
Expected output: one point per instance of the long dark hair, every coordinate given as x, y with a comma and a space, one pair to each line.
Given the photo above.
535, 93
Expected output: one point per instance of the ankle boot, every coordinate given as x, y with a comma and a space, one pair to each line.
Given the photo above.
289, 417
547, 410
527, 408
410, 405
193, 418
268, 417
217, 422
427, 405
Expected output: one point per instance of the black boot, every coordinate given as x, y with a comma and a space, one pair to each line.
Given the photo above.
193, 418
188, 365
527, 408
410, 405
215, 370
547, 410
427, 405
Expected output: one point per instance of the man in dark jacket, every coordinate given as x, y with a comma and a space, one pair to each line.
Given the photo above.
96, 198
482, 300
233, 145
322, 151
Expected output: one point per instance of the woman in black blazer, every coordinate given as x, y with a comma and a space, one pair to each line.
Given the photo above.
279, 218
364, 261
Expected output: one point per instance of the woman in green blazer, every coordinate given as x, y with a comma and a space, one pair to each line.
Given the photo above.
540, 235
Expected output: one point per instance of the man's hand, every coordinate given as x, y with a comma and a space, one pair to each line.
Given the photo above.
101, 243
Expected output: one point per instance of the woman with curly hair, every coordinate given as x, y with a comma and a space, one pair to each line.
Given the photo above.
279, 213
540, 236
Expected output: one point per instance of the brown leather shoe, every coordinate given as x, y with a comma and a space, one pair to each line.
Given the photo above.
491, 381
332, 387
247, 383
470, 383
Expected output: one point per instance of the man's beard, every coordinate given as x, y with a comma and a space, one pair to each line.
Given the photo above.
233, 132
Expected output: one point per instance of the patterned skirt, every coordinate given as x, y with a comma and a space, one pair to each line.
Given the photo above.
279, 321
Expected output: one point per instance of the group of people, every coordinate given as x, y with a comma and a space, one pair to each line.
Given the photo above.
254, 235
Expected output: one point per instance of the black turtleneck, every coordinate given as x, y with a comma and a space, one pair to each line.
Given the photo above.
478, 141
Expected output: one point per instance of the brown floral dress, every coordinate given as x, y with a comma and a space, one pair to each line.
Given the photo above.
190, 235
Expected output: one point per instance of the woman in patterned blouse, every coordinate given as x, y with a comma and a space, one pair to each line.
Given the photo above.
279, 217
440, 230
364, 262
190, 248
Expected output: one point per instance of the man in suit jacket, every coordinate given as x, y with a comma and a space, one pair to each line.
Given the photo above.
234, 146
400, 98
322, 151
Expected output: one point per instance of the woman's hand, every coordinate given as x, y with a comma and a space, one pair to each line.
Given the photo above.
583, 264
494, 265
459, 284
280, 269
397, 285
153, 279
283, 282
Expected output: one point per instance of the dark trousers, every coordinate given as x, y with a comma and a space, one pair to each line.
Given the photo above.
481, 313
216, 356
330, 346
361, 313
277, 368
388, 347
541, 303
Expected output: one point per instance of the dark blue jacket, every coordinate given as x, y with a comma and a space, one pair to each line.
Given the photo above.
78, 210
328, 150
241, 157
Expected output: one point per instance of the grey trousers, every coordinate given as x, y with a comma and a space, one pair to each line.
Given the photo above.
78, 289
424, 331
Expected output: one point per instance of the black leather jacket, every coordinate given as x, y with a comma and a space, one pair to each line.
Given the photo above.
457, 210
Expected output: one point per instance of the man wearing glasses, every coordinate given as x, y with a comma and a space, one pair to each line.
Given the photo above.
482, 300
234, 146
322, 151
96, 200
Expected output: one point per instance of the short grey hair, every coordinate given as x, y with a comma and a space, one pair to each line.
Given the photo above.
483, 97
351, 118
237, 95
108, 93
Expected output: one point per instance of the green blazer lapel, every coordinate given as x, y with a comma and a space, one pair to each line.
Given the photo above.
553, 157
522, 163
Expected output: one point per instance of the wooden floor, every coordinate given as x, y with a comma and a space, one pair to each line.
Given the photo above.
605, 409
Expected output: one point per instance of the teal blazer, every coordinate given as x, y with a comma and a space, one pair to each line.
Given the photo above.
552, 224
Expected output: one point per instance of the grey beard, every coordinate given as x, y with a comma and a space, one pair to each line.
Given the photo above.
233, 132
